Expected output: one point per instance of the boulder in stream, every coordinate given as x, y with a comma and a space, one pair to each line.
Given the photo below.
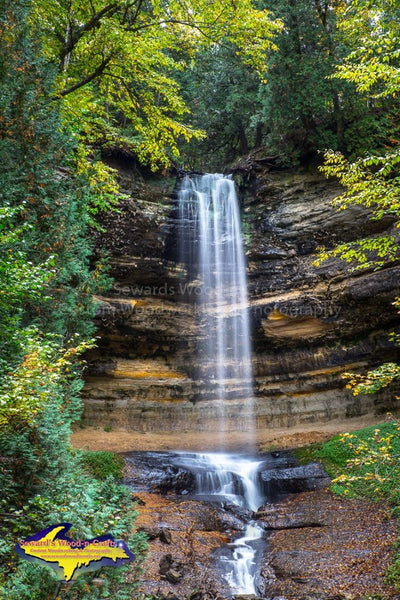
293, 480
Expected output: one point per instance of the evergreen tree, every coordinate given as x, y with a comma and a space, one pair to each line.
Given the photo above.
45, 310
305, 108
301, 106
222, 94
45, 202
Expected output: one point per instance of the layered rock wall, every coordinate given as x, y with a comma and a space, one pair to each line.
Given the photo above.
309, 324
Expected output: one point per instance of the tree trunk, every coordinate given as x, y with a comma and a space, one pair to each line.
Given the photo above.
244, 145
259, 132
338, 113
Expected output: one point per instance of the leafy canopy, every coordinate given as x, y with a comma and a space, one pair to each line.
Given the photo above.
117, 61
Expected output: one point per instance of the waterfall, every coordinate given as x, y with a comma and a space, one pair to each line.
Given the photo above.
232, 479
212, 248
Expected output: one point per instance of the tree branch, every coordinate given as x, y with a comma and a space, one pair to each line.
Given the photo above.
322, 12
96, 73
199, 28
73, 38
136, 13
134, 98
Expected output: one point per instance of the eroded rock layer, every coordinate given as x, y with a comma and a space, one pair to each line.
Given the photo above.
309, 324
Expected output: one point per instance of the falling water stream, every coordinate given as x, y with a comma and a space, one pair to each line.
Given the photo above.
212, 247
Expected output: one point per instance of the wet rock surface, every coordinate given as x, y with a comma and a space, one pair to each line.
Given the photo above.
318, 546
327, 547
185, 568
156, 471
295, 479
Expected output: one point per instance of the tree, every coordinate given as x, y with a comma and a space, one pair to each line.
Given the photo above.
117, 61
301, 106
222, 94
372, 180
47, 206
46, 301
45, 312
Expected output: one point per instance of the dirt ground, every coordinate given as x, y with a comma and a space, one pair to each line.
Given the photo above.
90, 438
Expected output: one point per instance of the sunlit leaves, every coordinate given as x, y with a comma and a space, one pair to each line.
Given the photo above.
373, 180
374, 30
374, 380
117, 62
372, 467
27, 391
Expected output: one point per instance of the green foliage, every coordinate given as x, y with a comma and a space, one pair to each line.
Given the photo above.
373, 29
300, 105
117, 64
372, 179
303, 108
94, 509
222, 94
363, 463
374, 380
103, 464
46, 308
38, 403
295, 108
371, 182
45, 205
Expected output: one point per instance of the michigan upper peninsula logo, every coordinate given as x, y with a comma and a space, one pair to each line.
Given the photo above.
70, 558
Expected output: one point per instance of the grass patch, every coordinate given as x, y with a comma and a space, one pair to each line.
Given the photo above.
362, 463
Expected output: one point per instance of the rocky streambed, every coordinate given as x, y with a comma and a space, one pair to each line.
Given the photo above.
311, 543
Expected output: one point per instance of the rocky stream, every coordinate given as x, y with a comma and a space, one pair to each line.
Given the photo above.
227, 526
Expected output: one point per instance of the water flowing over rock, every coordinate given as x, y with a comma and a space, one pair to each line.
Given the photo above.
308, 324
211, 248
210, 544
225, 481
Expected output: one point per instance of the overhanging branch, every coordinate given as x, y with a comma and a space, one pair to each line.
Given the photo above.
76, 86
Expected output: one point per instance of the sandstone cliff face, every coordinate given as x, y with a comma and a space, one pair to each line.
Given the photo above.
309, 324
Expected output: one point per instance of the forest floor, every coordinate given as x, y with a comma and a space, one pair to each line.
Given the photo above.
319, 546
91, 438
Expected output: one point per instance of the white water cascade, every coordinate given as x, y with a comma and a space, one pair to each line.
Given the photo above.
211, 244
212, 248
232, 479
